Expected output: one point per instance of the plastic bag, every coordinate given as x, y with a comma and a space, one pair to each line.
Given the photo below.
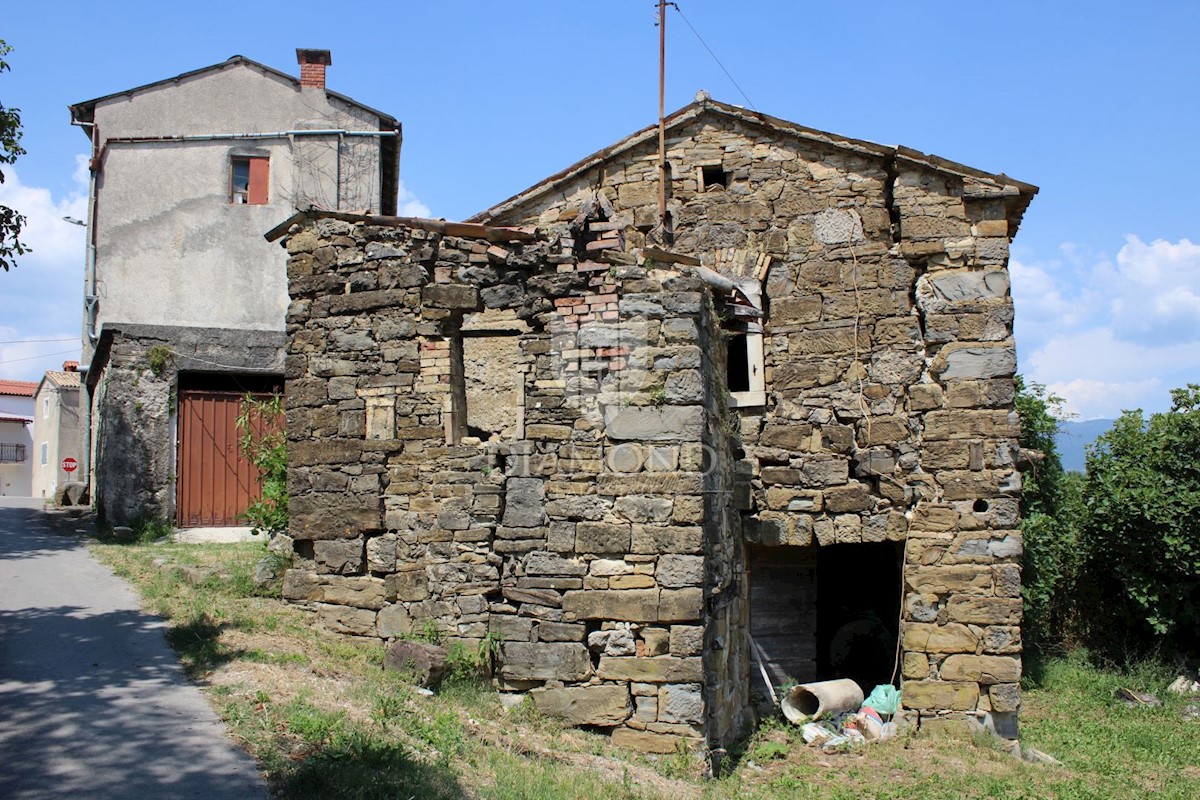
885, 699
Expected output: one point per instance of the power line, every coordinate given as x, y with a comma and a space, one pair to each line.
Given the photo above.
34, 358
41, 341
749, 102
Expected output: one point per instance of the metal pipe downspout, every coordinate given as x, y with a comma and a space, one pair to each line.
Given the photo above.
209, 137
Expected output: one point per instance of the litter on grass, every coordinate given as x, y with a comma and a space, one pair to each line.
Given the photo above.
833, 716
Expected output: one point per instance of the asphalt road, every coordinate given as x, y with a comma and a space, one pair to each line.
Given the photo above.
93, 703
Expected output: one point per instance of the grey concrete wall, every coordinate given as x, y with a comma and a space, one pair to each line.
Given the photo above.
134, 447
171, 248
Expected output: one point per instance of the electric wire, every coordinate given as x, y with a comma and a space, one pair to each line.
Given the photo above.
33, 358
41, 341
749, 102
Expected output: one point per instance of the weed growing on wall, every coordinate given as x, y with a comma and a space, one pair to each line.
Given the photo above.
263, 440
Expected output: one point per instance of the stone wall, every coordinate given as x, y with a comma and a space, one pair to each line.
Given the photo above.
134, 391
597, 546
888, 354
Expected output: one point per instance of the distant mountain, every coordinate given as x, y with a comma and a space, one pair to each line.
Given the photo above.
1074, 437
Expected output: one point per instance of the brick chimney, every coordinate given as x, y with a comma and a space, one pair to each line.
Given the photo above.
70, 366
312, 67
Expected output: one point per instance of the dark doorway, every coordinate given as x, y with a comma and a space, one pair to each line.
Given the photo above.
858, 610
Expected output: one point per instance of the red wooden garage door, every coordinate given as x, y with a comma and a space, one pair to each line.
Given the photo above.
215, 483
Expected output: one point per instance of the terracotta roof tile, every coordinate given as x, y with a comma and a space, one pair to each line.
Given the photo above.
18, 388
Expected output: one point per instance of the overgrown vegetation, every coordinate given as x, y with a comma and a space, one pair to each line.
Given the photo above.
1112, 558
325, 721
263, 440
1142, 526
1050, 508
11, 222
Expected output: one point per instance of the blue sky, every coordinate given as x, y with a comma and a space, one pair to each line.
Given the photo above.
1095, 102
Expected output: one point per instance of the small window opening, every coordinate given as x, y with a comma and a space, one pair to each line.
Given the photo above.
737, 364
248, 180
714, 175
980, 506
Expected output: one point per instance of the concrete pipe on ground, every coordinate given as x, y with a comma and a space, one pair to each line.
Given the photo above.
812, 701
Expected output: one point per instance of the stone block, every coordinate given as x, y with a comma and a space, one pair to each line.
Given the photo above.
931, 638
359, 591
680, 605
346, 619
393, 622
330, 515
849, 498
916, 666
654, 539
632, 605
660, 669
675, 571
985, 610
542, 563
451, 296
657, 641
794, 436
645, 741
939, 695
424, 662
524, 502
411, 585
508, 627
339, 556
682, 703
301, 585
603, 705
964, 579
987, 670
1005, 697
602, 537
550, 661
644, 509
561, 632
649, 424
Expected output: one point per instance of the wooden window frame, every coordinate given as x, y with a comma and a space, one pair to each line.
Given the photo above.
258, 181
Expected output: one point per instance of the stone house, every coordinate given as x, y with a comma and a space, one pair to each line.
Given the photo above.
57, 427
655, 459
184, 301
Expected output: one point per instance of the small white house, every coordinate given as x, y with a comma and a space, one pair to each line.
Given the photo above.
17, 451
57, 429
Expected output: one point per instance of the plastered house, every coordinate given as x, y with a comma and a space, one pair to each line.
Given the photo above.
654, 451
184, 301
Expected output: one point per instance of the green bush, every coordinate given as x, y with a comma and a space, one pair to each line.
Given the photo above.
263, 440
1142, 528
1050, 511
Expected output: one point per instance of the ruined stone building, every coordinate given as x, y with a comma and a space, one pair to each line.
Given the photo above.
184, 301
643, 458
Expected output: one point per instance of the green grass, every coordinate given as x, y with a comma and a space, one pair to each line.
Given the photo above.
325, 721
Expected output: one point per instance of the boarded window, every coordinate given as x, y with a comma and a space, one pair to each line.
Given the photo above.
249, 180
494, 382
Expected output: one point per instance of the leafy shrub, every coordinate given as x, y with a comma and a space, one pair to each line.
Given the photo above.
1142, 526
263, 440
1050, 513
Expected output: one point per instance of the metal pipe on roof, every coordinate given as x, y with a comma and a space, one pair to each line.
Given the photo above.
209, 137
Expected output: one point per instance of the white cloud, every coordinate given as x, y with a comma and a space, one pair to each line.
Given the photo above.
1088, 399
1111, 334
408, 205
41, 299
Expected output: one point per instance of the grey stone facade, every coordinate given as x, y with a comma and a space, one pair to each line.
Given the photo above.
601, 532
135, 397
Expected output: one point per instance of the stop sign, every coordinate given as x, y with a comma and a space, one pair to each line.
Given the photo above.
70, 464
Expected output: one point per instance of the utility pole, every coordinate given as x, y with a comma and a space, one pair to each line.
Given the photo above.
662, 126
